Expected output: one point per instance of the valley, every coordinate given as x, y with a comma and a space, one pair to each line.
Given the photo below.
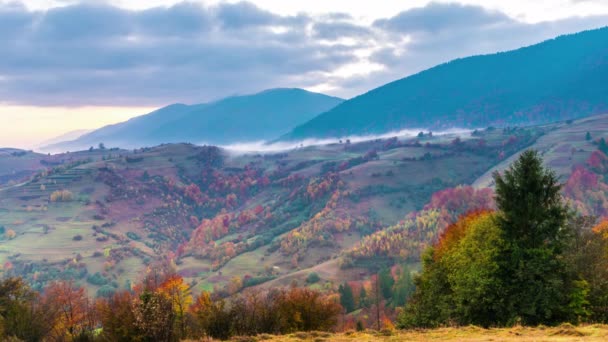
226, 220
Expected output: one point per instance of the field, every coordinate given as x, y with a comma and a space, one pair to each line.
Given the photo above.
563, 333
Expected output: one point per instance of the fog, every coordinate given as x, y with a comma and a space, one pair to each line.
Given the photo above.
271, 147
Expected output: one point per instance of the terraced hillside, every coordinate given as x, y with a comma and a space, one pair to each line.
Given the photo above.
226, 221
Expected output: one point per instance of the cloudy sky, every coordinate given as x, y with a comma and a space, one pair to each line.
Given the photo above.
69, 64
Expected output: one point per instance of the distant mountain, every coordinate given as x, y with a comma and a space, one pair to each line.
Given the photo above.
562, 78
72, 135
260, 116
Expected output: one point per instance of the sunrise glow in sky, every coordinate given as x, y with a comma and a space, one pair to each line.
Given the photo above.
69, 65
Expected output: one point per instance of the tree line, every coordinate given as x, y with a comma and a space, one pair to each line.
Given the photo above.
161, 308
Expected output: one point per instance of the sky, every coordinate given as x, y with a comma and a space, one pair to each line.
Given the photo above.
68, 64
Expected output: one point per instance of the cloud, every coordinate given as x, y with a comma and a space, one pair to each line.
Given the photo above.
92, 53
436, 17
97, 54
340, 29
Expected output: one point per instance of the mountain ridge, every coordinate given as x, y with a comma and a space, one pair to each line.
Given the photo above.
557, 79
258, 116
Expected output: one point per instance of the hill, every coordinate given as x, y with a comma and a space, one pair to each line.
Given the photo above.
559, 79
216, 216
563, 147
227, 221
261, 116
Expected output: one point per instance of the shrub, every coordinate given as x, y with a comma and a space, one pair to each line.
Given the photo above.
133, 236
312, 278
62, 196
97, 279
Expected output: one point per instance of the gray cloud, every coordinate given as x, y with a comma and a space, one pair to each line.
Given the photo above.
436, 17
340, 29
103, 55
97, 54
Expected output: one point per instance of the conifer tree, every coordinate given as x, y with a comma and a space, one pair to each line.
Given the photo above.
347, 300
533, 221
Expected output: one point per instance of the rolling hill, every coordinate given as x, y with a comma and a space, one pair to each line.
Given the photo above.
103, 216
559, 79
261, 116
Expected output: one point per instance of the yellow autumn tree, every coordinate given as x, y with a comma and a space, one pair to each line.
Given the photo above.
178, 292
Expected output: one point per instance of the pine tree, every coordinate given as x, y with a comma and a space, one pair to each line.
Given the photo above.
386, 283
603, 146
404, 287
533, 221
588, 136
347, 300
363, 300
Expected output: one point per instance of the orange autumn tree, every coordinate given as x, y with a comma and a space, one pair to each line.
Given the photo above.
178, 293
75, 313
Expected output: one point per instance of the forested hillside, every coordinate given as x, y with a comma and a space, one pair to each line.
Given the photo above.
559, 79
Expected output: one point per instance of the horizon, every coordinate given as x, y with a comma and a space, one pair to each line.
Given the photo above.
348, 52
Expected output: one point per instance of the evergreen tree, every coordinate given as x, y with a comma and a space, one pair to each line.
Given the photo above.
533, 222
404, 287
603, 146
386, 281
363, 300
588, 136
347, 300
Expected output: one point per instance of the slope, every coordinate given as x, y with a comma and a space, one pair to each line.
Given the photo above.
555, 80
217, 216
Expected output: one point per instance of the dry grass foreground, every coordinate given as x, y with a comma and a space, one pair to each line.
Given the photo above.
564, 332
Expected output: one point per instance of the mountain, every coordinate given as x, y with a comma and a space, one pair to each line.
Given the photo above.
254, 117
562, 78
72, 135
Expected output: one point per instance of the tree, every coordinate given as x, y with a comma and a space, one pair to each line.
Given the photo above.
404, 287
102, 146
460, 281
75, 313
312, 278
533, 222
386, 282
118, 318
21, 315
603, 146
588, 136
347, 300
180, 297
154, 317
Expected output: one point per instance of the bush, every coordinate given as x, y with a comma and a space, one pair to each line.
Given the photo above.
133, 236
106, 291
97, 279
312, 278
77, 238
62, 196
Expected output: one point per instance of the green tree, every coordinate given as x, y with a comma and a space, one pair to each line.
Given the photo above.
431, 303
473, 272
347, 300
21, 315
533, 222
588, 136
386, 281
404, 287
363, 300
603, 146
